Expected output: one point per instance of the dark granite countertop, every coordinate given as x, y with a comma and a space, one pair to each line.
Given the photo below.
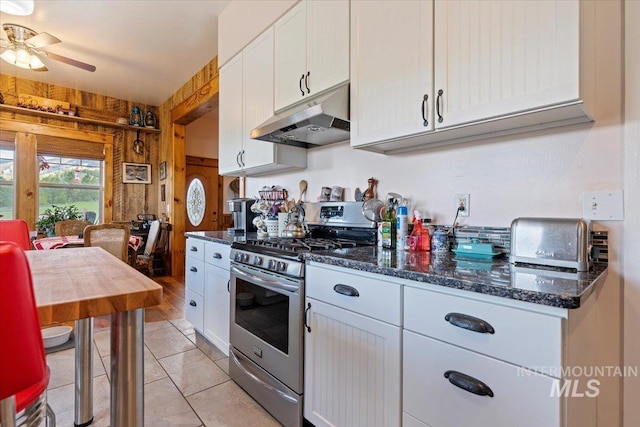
557, 287
215, 236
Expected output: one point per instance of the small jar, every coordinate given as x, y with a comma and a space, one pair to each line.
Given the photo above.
440, 241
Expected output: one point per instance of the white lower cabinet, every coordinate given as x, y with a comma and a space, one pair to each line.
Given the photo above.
206, 293
352, 361
448, 386
216, 301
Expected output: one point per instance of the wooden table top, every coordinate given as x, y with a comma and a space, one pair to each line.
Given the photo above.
77, 283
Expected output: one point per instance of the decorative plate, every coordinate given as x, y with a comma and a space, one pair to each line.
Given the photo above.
195, 202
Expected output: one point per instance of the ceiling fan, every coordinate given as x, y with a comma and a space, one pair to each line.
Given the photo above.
23, 49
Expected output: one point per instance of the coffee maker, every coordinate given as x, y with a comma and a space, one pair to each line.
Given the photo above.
242, 216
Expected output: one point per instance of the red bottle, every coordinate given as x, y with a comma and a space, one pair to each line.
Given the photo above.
419, 238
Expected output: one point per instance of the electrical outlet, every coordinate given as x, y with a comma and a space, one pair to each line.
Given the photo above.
462, 201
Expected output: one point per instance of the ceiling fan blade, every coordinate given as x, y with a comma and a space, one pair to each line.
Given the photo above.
42, 40
69, 61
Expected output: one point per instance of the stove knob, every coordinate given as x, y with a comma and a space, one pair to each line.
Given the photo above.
272, 264
245, 257
237, 257
281, 266
257, 260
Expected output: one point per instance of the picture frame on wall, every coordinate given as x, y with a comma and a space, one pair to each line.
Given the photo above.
136, 173
163, 171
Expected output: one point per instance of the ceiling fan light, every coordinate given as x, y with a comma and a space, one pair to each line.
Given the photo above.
9, 55
17, 7
35, 63
22, 55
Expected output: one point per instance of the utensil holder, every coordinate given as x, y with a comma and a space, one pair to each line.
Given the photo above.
272, 227
283, 219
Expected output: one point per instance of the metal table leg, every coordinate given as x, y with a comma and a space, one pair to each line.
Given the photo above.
127, 368
84, 373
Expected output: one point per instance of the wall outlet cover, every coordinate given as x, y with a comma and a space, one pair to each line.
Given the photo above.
603, 205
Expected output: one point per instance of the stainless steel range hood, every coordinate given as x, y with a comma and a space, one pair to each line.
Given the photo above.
319, 121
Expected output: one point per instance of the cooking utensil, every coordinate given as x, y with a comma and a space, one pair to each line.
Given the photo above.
303, 189
371, 209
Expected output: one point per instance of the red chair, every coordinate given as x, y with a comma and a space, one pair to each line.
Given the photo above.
16, 231
24, 374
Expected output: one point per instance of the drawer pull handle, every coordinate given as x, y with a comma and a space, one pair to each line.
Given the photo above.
470, 323
468, 383
425, 106
194, 269
347, 290
193, 249
192, 303
217, 255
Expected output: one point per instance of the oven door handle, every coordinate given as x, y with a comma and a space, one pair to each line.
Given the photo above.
273, 284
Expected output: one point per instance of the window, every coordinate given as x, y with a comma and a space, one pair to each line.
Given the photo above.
67, 181
6, 183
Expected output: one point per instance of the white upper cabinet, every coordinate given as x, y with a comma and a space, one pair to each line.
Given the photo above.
392, 70
499, 57
311, 50
246, 101
491, 68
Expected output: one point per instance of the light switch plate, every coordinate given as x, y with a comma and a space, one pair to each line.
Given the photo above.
603, 205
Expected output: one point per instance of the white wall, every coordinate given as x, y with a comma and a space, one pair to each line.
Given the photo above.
202, 136
631, 249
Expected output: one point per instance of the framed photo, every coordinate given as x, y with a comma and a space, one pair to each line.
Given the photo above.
163, 170
162, 193
136, 173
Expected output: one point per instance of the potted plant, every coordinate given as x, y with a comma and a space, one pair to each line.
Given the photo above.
47, 221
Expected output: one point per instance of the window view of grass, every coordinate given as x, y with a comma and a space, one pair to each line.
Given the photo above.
66, 181
62, 182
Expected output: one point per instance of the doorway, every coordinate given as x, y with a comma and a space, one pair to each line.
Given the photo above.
203, 199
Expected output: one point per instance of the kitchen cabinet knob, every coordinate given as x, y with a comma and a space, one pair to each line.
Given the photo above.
468, 383
470, 323
425, 110
194, 269
306, 313
192, 303
438, 102
300, 84
347, 290
306, 82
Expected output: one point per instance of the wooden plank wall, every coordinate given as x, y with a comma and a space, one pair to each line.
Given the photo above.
128, 199
167, 152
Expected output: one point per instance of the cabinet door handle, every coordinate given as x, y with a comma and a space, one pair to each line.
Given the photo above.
347, 290
192, 303
306, 81
229, 285
438, 102
193, 249
306, 313
470, 323
300, 84
468, 383
425, 110
194, 269
238, 159
217, 255
242, 159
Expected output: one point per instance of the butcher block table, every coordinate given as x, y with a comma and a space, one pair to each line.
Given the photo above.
82, 283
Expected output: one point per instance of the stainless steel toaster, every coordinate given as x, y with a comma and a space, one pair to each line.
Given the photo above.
557, 242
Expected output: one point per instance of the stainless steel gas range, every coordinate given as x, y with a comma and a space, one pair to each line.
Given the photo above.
267, 305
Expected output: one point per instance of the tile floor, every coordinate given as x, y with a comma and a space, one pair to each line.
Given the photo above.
186, 382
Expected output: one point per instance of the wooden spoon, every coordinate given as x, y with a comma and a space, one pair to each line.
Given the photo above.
303, 189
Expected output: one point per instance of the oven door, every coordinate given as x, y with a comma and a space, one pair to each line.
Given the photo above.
266, 321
